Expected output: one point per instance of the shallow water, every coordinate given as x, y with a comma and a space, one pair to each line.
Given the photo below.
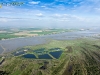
56, 54
29, 56
19, 53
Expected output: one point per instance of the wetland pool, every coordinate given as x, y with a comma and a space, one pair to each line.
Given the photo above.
29, 56
56, 54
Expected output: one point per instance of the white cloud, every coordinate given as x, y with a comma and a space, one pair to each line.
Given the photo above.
51, 15
97, 10
33, 2
61, 16
71, 18
3, 20
43, 6
39, 15
56, 15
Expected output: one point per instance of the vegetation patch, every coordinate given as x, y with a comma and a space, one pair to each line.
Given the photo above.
77, 57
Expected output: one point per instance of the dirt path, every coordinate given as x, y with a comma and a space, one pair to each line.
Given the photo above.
69, 69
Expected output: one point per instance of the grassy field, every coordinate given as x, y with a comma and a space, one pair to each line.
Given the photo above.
51, 31
8, 36
79, 57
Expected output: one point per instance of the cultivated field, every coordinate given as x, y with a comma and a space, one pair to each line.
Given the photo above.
8, 33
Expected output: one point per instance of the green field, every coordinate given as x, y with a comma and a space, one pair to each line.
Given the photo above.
8, 33
8, 36
79, 57
52, 31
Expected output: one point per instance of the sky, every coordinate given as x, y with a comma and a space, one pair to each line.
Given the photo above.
50, 13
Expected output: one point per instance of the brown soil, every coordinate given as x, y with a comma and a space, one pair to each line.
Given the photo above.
69, 69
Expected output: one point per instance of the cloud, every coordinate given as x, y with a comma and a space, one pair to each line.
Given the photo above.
39, 15
70, 17
43, 6
4, 20
69, 13
33, 2
61, 16
11, 18
97, 10
56, 16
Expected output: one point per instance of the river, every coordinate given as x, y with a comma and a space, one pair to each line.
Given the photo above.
13, 44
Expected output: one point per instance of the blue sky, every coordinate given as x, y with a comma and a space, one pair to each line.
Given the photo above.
50, 13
